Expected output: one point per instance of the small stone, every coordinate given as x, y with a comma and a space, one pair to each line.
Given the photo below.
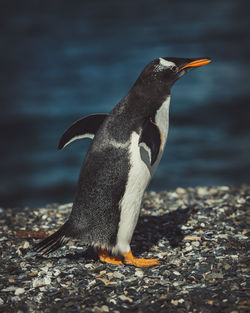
19, 291
56, 272
227, 266
139, 273
213, 276
224, 188
118, 275
26, 245
1, 301
124, 298
188, 248
202, 191
44, 269
113, 301
38, 282
223, 236
195, 243
175, 302
33, 274
104, 308
10, 288
15, 299
180, 190
192, 238
241, 201
68, 283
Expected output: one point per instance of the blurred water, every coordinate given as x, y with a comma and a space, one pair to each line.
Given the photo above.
61, 60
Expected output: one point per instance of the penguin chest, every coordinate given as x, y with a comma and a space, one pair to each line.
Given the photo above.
162, 121
138, 179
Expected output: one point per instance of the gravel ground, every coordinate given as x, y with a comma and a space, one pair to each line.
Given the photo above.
199, 234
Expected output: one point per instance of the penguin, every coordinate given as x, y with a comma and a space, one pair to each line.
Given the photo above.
126, 149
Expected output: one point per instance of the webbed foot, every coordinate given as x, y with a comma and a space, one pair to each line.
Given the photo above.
106, 258
131, 260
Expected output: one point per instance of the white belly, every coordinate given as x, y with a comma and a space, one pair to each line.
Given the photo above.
139, 176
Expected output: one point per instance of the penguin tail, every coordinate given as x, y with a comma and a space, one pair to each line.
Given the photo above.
54, 241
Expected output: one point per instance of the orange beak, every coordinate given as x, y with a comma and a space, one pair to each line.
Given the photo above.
196, 63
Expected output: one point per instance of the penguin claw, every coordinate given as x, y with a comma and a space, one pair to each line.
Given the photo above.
130, 260
104, 257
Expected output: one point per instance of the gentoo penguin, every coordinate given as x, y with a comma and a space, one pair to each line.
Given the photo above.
126, 149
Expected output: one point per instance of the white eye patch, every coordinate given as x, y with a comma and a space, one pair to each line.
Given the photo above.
166, 63
163, 64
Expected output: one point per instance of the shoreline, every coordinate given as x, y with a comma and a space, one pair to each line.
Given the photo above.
200, 235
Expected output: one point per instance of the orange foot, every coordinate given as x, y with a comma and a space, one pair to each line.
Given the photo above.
129, 259
104, 257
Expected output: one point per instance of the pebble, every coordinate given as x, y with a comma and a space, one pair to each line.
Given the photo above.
19, 291
195, 243
139, 273
38, 282
104, 308
175, 302
125, 298
227, 266
118, 275
202, 191
188, 248
10, 288
180, 191
26, 245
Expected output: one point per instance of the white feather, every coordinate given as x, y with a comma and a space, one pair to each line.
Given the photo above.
163, 64
91, 136
138, 178
166, 63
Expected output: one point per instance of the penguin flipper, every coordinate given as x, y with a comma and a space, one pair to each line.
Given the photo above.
152, 138
85, 127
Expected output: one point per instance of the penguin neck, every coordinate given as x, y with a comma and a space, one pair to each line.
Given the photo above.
141, 103
137, 106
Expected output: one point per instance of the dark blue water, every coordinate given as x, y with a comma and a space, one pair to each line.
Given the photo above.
61, 60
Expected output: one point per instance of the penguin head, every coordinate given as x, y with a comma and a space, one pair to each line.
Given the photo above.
161, 73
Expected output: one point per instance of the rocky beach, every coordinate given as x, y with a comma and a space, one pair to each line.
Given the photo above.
200, 235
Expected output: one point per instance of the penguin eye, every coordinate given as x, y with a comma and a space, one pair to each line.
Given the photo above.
174, 68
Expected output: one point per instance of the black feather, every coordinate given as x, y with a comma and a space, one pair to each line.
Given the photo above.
53, 242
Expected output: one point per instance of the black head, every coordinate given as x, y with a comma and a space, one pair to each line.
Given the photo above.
163, 72
153, 85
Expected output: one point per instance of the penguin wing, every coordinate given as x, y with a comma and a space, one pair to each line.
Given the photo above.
152, 138
86, 127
